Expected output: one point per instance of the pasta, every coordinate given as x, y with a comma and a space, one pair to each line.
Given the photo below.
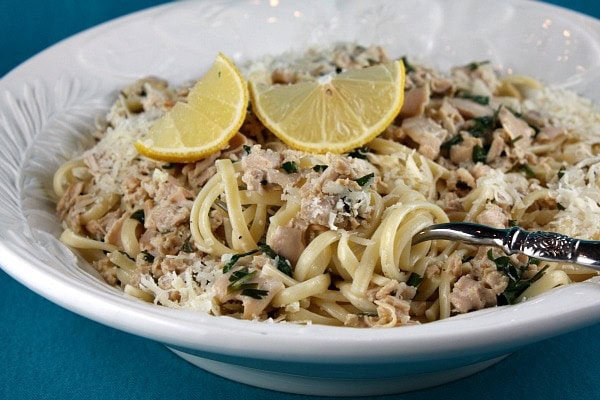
263, 232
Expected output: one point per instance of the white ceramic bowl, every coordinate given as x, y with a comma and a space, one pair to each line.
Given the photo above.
49, 103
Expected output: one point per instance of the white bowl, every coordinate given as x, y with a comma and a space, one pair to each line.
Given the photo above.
49, 103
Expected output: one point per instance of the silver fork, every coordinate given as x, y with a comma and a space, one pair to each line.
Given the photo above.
547, 246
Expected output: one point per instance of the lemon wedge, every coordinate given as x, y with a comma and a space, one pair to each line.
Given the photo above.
214, 112
335, 113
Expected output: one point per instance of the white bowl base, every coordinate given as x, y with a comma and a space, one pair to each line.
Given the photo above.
330, 386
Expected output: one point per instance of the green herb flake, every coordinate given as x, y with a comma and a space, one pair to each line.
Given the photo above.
360, 152
239, 278
319, 167
451, 142
367, 314
483, 100
282, 263
407, 65
235, 258
364, 180
254, 293
240, 283
168, 166
479, 154
414, 279
561, 171
526, 169
289, 167
186, 247
516, 113
241, 275
474, 65
247, 148
560, 207
138, 216
516, 284
482, 126
515, 140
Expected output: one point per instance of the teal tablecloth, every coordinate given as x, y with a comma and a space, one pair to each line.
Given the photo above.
49, 353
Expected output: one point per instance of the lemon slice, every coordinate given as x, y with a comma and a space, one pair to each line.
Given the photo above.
214, 112
335, 113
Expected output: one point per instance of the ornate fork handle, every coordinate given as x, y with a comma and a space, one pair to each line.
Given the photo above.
544, 245
548, 246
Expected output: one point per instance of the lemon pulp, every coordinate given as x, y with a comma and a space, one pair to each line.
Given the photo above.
215, 110
335, 113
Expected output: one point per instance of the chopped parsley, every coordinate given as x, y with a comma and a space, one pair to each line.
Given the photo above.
319, 167
474, 65
516, 113
254, 293
561, 172
451, 142
186, 247
289, 167
364, 180
367, 314
240, 282
407, 66
247, 148
235, 258
479, 154
516, 284
282, 263
526, 169
414, 279
483, 100
168, 166
239, 278
483, 125
515, 140
138, 216
466, 259
360, 152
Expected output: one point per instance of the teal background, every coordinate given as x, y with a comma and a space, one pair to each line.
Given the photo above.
47, 352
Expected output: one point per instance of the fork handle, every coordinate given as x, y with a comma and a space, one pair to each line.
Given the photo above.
551, 246
547, 246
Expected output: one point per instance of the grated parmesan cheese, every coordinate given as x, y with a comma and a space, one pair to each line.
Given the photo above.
578, 115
